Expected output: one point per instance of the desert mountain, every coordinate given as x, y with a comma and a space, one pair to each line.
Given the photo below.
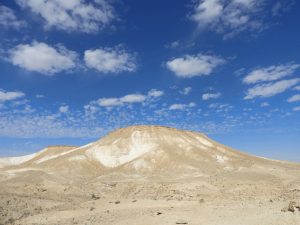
152, 150
148, 173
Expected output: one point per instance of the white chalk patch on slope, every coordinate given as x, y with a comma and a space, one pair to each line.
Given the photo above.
113, 156
204, 141
12, 161
50, 157
20, 170
221, 159
140, 164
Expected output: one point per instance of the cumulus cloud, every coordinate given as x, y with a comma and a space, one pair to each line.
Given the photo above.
207, 96
109, 102
155, 93
296, 108
185, 91
220, 108
10, 95
172, 45
72, 15
40, 96
229, 17
270, 73
63, 109
133, 98
297, 88
42, 58
294, 98
110, 60
182, 106
271, 89
124, 100
194, 65
8, 18
265, 104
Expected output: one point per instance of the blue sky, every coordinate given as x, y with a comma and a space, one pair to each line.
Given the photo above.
71, 71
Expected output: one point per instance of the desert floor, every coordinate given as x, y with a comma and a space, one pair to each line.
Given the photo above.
196, 201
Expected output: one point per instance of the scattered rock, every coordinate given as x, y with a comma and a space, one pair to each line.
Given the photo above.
117, 202
159, 213
95, 197
10, 221
181, 221
201, 200
92, 208
134, 200
292, 207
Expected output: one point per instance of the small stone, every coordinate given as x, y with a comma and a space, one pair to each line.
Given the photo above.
117, 202
95, 197
159, 213
181, 221
292, 206
201, 200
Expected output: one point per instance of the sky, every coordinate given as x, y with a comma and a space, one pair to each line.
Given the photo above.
72, 71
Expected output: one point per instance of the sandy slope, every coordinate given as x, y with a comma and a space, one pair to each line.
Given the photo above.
148, 175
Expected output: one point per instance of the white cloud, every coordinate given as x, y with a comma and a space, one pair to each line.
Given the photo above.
133, 98
8, 18
127, 99
264, 104
39, 124
270, 73
42, 58
182, 106
207, 96
72, 15
40, 96
270, 89
229, 17
10, 95
155, 93
296, 108
294, 98
63, 109
172, 45
109, 102
90, 109
124, 100
220, 108
194, 65
110, 60
185, 91
207, 11
297, 88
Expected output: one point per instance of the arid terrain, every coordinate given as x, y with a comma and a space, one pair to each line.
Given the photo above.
148, 175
